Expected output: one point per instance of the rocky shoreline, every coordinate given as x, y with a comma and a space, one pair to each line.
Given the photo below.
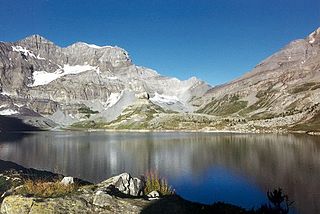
119, 194
274, 131
20, 193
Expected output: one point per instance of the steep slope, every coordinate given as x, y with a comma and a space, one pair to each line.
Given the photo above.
83, 81
281, 91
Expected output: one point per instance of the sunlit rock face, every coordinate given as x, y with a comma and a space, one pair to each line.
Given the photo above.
85, 75
286, 86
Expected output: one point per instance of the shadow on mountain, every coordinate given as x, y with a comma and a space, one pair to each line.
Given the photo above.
13, 124
14, 129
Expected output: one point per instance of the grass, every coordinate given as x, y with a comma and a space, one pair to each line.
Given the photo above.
266, 92
44, 189
304, 87
208, 108
229, 104
89, 124
231, 108
265, 100
155, 183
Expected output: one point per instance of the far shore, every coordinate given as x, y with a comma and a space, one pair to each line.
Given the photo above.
280, 131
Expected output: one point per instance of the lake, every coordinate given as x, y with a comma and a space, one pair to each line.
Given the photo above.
202, 167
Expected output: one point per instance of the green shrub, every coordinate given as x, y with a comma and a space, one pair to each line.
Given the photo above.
155, 183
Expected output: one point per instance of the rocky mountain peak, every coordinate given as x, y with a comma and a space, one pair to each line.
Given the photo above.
314, 37
86, 45
82, 52
55, 82
35, 41
36, 37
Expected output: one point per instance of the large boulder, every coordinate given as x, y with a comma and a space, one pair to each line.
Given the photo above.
124, 183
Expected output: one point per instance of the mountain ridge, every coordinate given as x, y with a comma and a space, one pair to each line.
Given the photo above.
87, 84
62, 80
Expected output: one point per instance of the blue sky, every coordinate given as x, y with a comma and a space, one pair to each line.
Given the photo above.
214, 40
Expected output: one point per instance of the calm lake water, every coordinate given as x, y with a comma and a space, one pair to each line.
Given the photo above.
203, 167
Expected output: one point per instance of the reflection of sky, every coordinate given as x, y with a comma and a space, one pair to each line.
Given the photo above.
220, 184
235, 168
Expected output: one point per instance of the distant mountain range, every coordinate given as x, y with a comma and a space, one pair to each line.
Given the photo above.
88, 86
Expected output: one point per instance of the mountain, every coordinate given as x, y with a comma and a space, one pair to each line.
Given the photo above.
90, 86
282, 91
47, 85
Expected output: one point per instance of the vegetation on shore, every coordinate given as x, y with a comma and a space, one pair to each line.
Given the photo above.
153, 182
45, 189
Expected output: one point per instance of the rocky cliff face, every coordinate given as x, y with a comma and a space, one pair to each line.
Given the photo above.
83, 81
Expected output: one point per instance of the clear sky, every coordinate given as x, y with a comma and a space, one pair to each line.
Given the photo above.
214, 40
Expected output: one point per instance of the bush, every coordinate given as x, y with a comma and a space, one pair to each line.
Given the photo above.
155, 183
46, 189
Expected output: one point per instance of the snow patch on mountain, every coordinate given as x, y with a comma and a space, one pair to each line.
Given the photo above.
161, 98
44, 77
41, 58
112, 78
23, 50
26, 52
96, 46
113, 99
5, 93
8, 112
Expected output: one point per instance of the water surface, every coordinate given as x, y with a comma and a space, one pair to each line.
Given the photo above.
203, 167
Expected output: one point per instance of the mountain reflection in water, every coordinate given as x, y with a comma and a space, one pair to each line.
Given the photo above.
205, 167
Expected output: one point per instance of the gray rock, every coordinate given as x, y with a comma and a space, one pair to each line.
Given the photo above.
154, 195
67, 180
102, 199
124, 183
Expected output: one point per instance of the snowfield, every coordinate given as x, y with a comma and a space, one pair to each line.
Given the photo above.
8, 112
43, 77
160, 98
